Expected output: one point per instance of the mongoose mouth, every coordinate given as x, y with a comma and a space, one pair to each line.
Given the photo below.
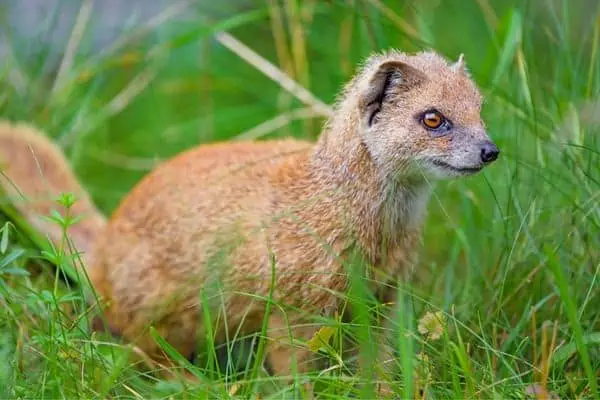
464, 170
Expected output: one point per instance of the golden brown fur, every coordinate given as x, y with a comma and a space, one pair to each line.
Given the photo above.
33, 172
203, 230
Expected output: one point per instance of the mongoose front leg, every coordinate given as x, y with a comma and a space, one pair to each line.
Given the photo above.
286, 354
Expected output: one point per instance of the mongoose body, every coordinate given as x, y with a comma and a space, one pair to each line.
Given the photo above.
208, 230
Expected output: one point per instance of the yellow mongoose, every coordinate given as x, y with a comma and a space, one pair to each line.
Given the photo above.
205, 230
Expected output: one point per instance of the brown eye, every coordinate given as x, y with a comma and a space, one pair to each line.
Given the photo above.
433, 119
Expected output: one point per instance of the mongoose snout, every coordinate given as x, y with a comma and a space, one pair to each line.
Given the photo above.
489, 152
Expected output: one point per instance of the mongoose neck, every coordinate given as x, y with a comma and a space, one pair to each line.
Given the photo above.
390, 205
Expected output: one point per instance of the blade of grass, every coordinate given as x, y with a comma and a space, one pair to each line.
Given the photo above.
273, 72
571, 310
511, 43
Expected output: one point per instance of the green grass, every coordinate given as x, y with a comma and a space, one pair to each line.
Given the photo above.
510, 257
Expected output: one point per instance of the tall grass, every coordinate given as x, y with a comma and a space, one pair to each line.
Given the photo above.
510, 259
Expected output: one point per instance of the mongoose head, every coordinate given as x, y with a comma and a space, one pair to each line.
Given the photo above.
420, 116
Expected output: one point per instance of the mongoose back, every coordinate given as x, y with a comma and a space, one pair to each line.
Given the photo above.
211, 228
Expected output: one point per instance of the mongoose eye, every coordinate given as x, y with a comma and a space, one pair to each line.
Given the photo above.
433, 119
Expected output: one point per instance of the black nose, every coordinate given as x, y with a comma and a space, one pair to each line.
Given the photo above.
489, 152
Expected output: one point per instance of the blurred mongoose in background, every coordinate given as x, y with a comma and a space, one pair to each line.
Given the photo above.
208, 229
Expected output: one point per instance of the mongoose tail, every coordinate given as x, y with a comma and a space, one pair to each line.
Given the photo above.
33, 173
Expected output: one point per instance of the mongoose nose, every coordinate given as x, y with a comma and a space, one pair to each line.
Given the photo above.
489, 152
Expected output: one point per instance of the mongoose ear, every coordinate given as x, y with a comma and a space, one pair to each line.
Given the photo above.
460, 65
390, 77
